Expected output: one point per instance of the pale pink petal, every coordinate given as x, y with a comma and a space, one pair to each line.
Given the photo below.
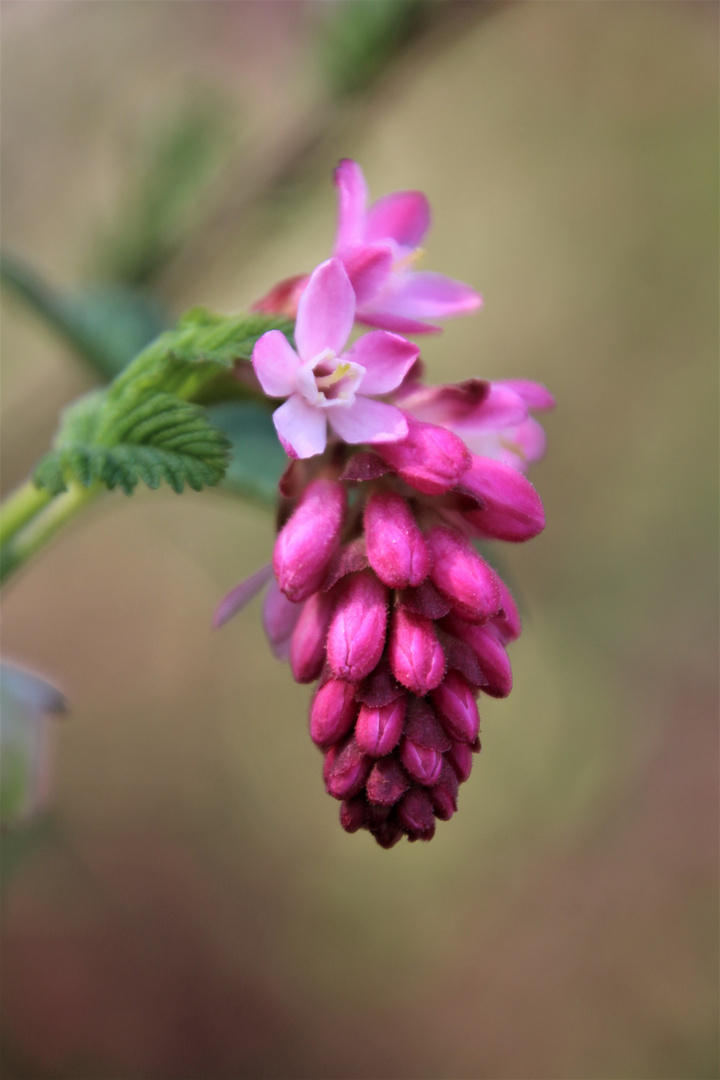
368, 421
387, 358
384, 320
276, 363
403, 216
531, 439
326, 311
535, 395
368, 267
501, 408
466, 407
302, 430
280, 616
352, 200
238, 597
425, 295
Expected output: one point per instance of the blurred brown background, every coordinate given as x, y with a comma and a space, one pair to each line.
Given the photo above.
194, 909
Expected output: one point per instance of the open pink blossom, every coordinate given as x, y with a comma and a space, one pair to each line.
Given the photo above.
492, 418
379, 246
321, 382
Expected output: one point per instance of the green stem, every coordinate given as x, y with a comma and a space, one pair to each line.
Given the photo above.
20, 508
39, 531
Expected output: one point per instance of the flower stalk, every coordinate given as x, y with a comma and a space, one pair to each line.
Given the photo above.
51, 514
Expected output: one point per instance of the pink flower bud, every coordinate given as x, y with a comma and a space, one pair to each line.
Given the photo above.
387, 782
387, 834
456, 707
307, 543
307, 646
378, 730
460, 757
507, 622
512, 509
487, 645
431, 459
332, 712
353, 813
415, 814
356, 637
423, 764
348, 772
416, 657
445, 793
423, 729
459, 573
395, 546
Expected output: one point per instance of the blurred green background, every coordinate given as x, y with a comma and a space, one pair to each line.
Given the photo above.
192, 908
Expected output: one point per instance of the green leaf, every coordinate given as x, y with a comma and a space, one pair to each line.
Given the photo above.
106, 326
258, 460
361, 39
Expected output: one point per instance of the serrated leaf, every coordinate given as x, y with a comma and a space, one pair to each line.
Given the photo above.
258, 460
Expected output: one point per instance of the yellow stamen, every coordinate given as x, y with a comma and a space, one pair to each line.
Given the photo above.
408, 260
513, 447
329, 380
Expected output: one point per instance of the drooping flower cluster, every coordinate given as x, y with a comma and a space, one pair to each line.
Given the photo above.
377, 591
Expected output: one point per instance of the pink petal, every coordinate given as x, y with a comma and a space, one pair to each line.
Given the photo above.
326, 311
501, 408
403, 216
238, 597
275, 362
384, 320
280, 616
352, 199
531, 439
368, 421
535, 395
302, 430
425, 295
387, 358
368, 267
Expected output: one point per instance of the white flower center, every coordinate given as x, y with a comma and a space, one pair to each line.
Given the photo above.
328, 381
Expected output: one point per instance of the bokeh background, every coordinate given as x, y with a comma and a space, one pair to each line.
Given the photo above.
191, 907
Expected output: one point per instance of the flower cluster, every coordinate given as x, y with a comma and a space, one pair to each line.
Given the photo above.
377, 591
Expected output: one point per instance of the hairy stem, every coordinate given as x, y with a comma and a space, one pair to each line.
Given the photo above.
28, 540
21, 507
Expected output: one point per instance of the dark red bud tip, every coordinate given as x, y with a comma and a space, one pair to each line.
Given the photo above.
460, 757
332, 712
423, 764
415, 814
462, 576
356, 637
307, 543
456, 707
387, 834
353, 814
395, 546
431, 459
378, 730
387, 782
445, 793
347, 775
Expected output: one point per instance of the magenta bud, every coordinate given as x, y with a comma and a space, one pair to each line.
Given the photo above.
445, 793
387, 782
307, 645
431, 459
348, 772
493, 660
395, 546
332, 712
460, 757
423, 729
462, 576
512, 509
356, 637
416, 657
307, 543
387, 834
456, 707
423, 764
378, 730
507, 622
353, 814
415, 814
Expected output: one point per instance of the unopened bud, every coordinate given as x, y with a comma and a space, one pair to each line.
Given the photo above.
348, 772
512, 509
415, 814
460, 757
387, 782
431, 459
378, 730
456, 707
462, 576
307, 543
332, 712
356, 637
507, 622
307, 646
416, 657
423, 764
353, 814
395, 546
445, 793
494, 662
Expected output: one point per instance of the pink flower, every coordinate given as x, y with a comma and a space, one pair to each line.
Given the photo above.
321, 382
378, 247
